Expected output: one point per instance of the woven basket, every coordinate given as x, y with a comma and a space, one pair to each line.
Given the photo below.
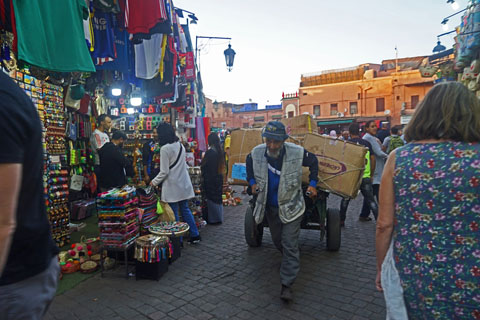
88, 266
70, 268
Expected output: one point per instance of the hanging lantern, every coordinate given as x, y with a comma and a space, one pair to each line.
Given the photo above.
229, 57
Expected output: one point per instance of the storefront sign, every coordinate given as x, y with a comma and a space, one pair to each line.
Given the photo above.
190, 66
405, 119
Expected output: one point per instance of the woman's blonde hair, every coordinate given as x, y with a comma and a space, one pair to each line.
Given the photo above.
449, 111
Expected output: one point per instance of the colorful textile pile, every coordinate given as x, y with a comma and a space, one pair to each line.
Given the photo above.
148, 207
151, 248
118, 217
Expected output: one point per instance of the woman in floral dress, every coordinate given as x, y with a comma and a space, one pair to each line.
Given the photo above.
427, 241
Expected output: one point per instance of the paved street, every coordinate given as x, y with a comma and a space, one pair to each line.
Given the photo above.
222, 278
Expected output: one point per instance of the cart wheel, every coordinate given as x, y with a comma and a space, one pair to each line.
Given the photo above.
253, 233
334, 236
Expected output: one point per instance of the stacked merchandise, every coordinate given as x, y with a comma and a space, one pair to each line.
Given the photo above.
118, 217
48, 99
56, 173
148, 208
195, 204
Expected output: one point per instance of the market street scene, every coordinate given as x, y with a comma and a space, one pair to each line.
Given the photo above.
179, 159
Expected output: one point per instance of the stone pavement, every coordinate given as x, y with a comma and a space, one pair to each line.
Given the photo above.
222, 278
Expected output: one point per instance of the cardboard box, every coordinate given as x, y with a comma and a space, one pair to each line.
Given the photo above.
300, 125
241, 144
340, 164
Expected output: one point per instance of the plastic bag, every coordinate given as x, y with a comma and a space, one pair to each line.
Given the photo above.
165, 212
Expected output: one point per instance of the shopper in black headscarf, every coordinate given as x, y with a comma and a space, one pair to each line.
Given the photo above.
213, 167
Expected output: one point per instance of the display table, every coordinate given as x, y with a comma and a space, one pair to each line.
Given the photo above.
123, 249
173, 230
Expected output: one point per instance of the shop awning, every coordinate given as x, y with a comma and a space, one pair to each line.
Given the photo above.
329, 122
262, 118
277, 116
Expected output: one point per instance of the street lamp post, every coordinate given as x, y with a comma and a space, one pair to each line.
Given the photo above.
229, 52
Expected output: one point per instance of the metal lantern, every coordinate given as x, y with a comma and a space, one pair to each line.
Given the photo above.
229, 57
439, 47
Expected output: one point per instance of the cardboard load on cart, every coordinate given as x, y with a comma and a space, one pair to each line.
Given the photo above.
340, 164
299, 125
241, 144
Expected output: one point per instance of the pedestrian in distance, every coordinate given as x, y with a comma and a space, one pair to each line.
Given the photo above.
176, 184
274, 172
113, 164
428, 239
393, 141
383, 132
213, 168
366, 186
29, 269
380, 157
98, 139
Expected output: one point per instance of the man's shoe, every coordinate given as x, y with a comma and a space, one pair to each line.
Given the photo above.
364, 218
286, 294
195, 240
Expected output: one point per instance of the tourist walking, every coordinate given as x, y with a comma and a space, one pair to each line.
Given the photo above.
176, 185
428, 239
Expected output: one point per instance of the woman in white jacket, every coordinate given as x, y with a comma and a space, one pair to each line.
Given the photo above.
176, 185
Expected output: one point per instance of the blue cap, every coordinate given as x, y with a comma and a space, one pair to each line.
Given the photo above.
275, 130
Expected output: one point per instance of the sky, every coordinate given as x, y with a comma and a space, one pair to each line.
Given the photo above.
276, 41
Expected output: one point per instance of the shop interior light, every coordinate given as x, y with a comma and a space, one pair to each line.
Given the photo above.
130, 110
135, 98
116, 92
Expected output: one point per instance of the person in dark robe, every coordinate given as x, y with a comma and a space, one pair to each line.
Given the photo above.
213, 167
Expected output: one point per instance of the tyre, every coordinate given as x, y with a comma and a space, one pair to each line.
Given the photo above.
253, 233
334, 235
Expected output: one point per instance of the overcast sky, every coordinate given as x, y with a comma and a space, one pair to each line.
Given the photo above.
277, 40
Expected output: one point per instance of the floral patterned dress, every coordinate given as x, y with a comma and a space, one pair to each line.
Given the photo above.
436, 237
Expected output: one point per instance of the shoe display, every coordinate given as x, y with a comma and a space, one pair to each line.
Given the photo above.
286, 294
194, 240
364, 218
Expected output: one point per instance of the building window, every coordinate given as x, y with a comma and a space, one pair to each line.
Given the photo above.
353, 108
359, 96
291, 114
245, 125
316, 111
380, 104
414, 101
333, 109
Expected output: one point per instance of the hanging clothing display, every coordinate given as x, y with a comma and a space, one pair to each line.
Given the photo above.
124, 62
7, 16
141, 16
60, 44
104, 49
148, 55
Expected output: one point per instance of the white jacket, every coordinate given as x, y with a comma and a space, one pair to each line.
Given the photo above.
176, 181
